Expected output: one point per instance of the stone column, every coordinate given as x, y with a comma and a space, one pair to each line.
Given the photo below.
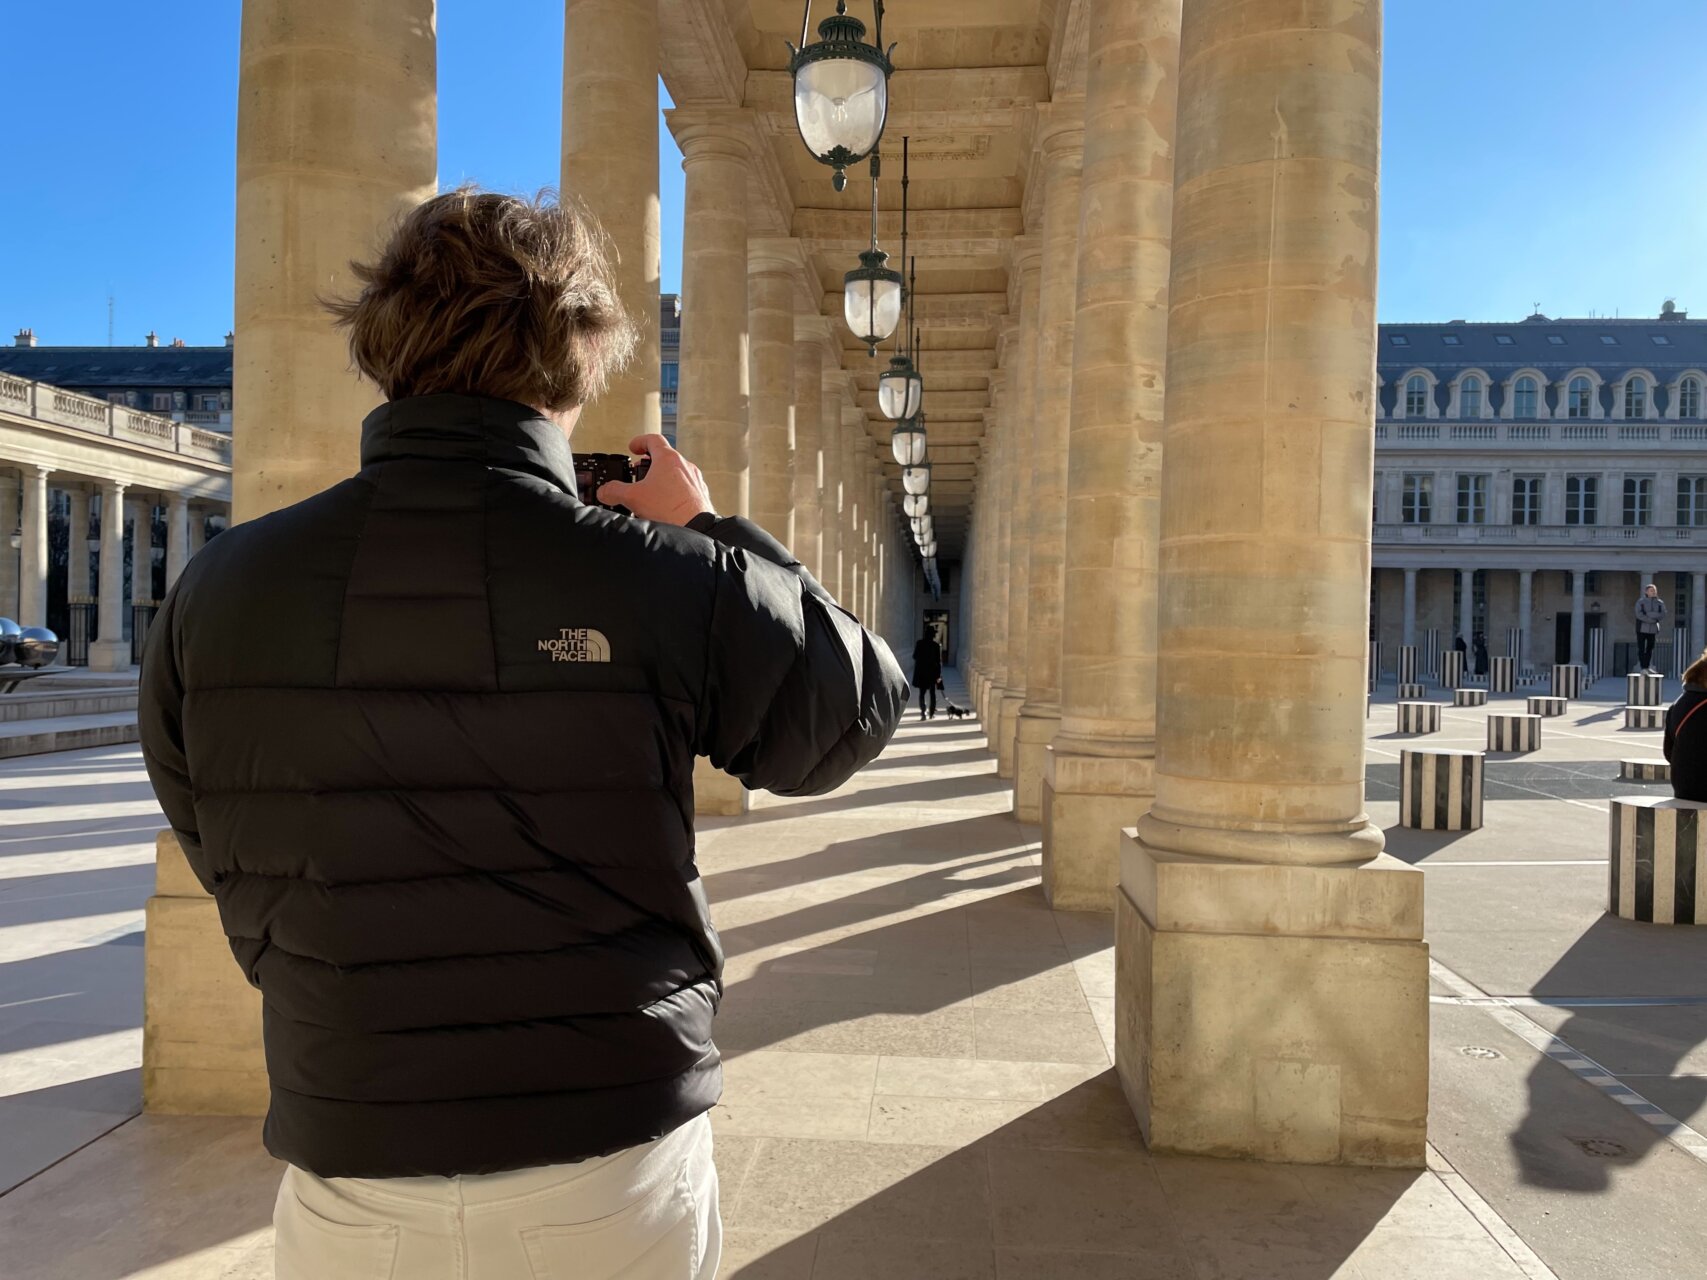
610, 162
77, 585
177, 537
32, 547
1467, 605
994, 489
1027, 263
772, 267
1578, 581
141, 551
1257, 875
830, 501
1525, 619
1409, 634
808, 430
1052, 398
336, 135
198, 528
1697, 614
1100, 774
111, 652
711, 405
9, 555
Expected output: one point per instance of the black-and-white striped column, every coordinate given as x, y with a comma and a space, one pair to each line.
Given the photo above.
1431, 652
1440, 790
1645, 717
1514, 732
1502, 675
1542, 704
1374, 663
1569, 679
1659, 864
1643, 690
1407, 671
1451, 669
1419, 717
1645, 770
1410, 692
1469, 697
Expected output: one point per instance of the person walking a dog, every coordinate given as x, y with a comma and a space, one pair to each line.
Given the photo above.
927, 672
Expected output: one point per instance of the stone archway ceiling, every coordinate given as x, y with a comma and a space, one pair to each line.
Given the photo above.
969, 75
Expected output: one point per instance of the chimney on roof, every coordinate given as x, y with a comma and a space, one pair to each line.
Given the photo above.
151, 338
230, 338
25, 338
178, 342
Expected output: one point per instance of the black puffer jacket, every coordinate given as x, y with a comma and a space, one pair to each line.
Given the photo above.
428, 738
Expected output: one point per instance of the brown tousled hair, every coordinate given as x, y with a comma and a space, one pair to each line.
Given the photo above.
486, 294
1697, 672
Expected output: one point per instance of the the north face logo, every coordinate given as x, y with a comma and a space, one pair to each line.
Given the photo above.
577, 644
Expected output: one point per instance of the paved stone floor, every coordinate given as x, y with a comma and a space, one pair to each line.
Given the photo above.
919, 1078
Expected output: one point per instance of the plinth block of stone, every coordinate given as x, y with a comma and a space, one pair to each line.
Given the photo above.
1469, 697
1410, 692
1502, 675
1087, 802
1645, 770
1514, 732
1644, 717
1440, 790
1569, 680
1542, 704
1643, 690
1407, 671
1658, 860
1451, 669
1419, 717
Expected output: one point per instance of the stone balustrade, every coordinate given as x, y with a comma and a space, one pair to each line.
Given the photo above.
49, 404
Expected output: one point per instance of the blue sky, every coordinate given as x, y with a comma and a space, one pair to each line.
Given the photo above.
1536, 151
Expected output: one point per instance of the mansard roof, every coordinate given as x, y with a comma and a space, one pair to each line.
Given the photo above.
120, 366
1553, 347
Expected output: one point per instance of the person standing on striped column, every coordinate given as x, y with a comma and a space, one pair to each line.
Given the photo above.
1650, 612
1686, 735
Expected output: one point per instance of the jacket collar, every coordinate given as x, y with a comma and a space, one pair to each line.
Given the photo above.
476, 429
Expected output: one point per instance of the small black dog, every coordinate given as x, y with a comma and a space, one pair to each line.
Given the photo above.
954, 712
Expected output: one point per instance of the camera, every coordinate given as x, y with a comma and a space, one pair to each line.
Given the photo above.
595, 469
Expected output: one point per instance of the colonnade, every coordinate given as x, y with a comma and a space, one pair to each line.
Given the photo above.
1169, 608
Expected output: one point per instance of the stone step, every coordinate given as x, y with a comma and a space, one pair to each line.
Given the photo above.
32, 702
82, 678
66, 733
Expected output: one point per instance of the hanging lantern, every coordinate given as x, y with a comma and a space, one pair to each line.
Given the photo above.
907, 443
916, 479
923, 528
871, 298
928, 549
841, 89
900, 390
916, 504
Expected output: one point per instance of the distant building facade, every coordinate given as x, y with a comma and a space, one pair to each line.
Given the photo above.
669, 357
176, 381
1530, 478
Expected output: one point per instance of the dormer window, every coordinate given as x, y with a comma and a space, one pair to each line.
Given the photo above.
1579, 400
1635, 397
1416, 396
1470, 397
1524, 398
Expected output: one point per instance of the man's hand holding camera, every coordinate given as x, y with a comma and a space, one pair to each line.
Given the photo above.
672, 491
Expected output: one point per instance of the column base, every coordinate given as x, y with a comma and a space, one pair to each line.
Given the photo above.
1273, 1012
201, 1020
715, 793
987, 708
1006, 718
1087, 802
109, 655
1034, 734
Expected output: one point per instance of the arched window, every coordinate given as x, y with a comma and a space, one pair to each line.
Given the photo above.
1416, 396
1689, 398
1580, 399
1524, 398
1635, 397
1470, 397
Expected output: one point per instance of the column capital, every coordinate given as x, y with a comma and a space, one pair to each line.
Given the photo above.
813, 328
1027, 255
712, 132
1060, 132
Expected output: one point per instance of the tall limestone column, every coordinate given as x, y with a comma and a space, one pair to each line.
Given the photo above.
994, 490
711, 413
9, 515
111, 651
1100, 773
336, 136
77, 585
177, 537
1027, 264
830, 453
1272, 978
610, 163
32, 547
1052, 391
808, 441
773, 265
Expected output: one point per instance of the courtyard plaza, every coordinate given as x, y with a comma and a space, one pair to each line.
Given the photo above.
919, 1050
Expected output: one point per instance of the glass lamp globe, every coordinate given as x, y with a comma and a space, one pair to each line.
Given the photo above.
916, 504
841, 93
871, 298
907, 443
928, 550
916, 479
923, 527
900, 390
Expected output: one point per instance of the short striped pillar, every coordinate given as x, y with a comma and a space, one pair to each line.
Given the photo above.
1419, 717
1451, 669
1542, 705
1643, 690
1514, 732
1374, 663
1407, 670
1440, 790
1645, 717
1569, 679
1645, 770
1410, 692
1469, 697
1659, 865
1502, 675
1431, 652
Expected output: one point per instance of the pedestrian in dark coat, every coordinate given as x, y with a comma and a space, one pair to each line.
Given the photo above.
927, 672
1686, 735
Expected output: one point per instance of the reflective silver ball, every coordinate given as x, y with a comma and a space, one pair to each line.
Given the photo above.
9, 633
37, 647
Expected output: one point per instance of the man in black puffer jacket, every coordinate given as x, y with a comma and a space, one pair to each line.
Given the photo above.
428, 738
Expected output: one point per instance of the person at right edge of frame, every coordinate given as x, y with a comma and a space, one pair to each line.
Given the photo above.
428, 739
1650, 612
1685, 742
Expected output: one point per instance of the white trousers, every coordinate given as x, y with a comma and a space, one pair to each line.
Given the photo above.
648, 1213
